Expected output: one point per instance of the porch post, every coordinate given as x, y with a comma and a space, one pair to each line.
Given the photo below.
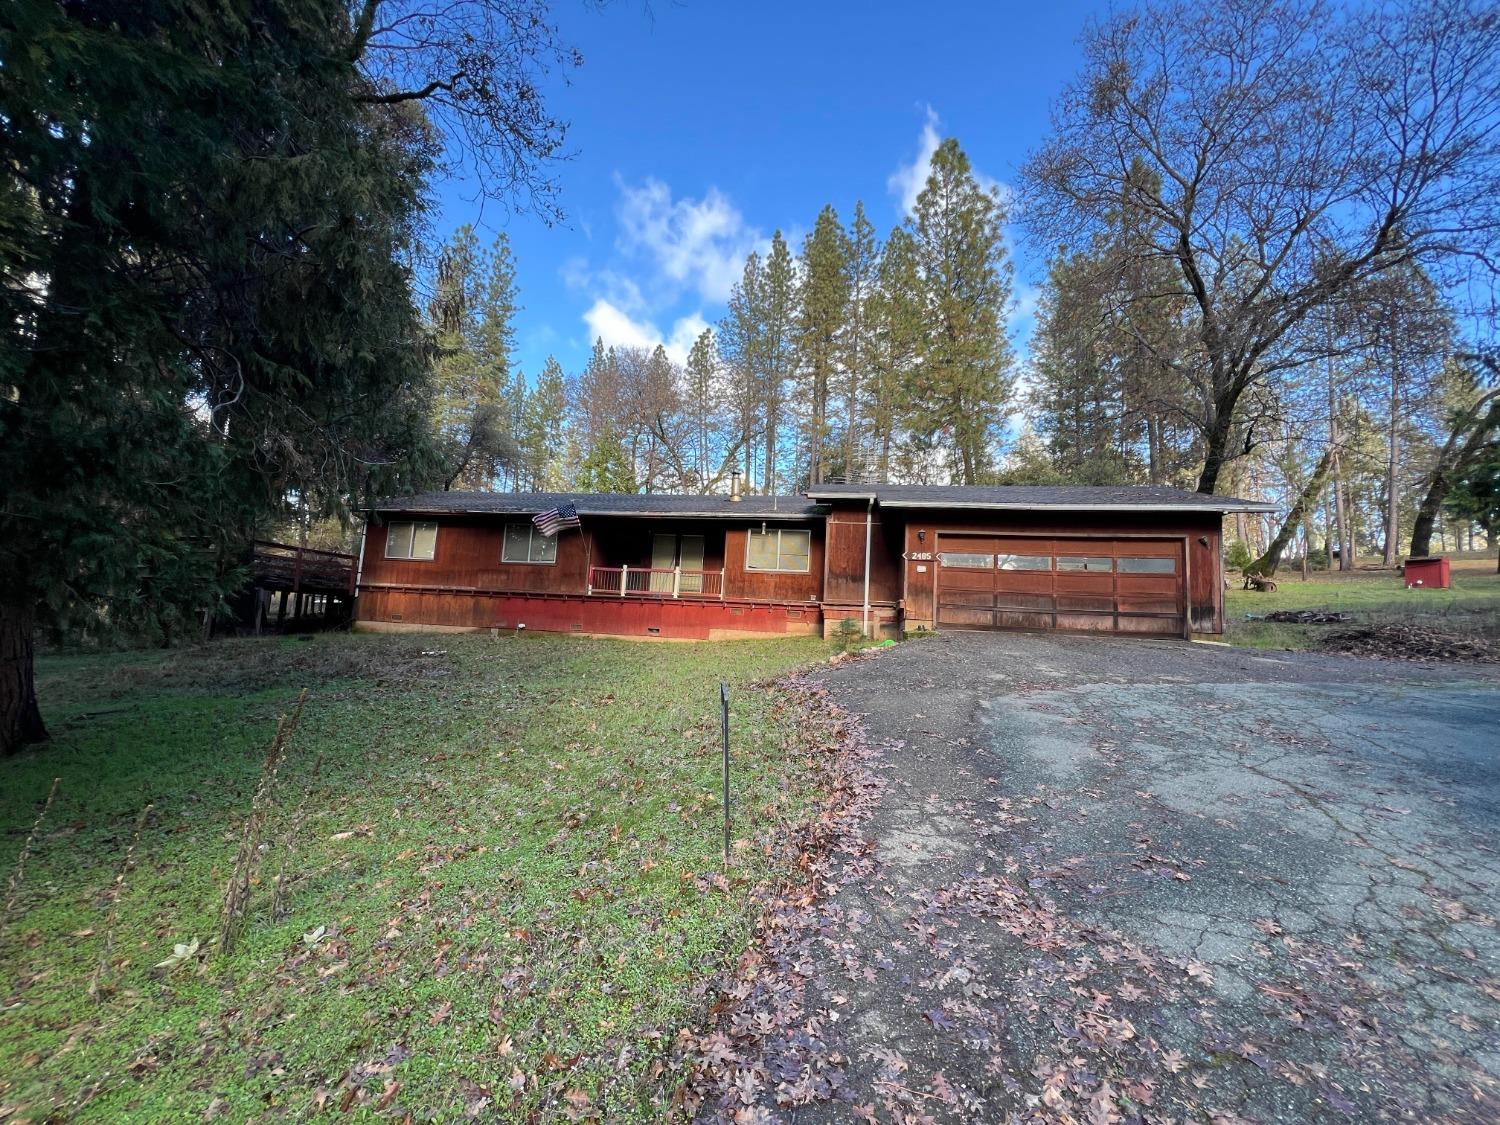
624, 579
721, 583
677, 581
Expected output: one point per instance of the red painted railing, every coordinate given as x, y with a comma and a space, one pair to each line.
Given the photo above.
655, 582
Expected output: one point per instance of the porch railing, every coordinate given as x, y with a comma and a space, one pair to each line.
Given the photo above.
658, 582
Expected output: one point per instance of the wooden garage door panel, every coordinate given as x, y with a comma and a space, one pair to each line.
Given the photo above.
967, 616
1011, 619
1030, 581
1021, 599
1089, 589
962, 596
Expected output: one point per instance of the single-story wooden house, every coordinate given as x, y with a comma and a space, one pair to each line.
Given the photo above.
884, 559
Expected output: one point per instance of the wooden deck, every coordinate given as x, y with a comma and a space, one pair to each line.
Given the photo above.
315, 588
281, 566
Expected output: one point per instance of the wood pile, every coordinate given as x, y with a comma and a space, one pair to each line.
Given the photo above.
1402, 641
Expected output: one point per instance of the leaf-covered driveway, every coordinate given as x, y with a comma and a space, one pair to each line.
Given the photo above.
1078, 879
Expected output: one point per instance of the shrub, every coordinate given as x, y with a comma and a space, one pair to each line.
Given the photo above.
1237, 555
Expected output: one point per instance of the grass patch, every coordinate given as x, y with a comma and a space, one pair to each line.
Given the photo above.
1374, 597
506, 879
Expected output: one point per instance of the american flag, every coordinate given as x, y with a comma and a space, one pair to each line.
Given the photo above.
553, 520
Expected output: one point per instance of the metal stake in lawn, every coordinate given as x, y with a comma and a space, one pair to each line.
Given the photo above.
724, 714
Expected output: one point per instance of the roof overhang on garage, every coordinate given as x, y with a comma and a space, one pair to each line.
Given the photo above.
1028, 498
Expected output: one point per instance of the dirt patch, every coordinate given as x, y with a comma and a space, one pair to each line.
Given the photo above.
1404, 641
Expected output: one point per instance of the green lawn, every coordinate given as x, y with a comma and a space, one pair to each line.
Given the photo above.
1471, 607
508, 884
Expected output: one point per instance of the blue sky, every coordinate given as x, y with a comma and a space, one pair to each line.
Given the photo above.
700, 127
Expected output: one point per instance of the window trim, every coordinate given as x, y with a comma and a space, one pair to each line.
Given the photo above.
778, 568
412, 542
1000, 556
534, 534
946, 557
1107, 560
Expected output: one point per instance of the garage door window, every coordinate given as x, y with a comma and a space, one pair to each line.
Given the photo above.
1148, 566
1024, 562
1084, 562
969, 560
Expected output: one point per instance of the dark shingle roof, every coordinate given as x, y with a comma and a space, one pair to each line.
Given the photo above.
1056, 497
604, 504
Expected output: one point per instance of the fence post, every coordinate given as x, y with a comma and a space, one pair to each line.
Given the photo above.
297, 581
624, 579
724, 715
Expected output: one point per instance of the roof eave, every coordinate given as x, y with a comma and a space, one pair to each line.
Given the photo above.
1022, 506
597, 514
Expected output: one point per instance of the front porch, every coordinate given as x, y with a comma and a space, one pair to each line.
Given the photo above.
642, 576
655, 582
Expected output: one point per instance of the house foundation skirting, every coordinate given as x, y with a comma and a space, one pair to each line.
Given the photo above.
415, 609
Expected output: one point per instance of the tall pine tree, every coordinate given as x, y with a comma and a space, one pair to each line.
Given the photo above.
964, 382
822, 325
858, 341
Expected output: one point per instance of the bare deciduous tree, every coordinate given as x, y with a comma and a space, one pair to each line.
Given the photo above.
1295, 150
477, 67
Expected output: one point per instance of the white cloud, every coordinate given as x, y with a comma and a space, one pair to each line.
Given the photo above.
908, 180
696, 243
618, 329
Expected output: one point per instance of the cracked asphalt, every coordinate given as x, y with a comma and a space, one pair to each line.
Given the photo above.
1112, 879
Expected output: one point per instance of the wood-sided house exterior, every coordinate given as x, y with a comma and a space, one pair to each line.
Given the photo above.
885, 559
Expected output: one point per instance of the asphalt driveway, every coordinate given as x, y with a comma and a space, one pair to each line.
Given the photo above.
1100, 880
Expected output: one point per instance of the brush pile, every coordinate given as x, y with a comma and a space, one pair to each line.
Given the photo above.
1404, 641
1308, 617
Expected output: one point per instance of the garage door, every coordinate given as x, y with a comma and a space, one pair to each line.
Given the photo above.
1084, 584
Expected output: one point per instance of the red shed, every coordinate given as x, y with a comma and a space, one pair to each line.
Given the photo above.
1433, 573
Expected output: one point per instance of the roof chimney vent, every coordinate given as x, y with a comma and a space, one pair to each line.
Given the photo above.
734, 487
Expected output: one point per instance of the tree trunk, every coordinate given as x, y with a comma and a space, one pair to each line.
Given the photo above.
1463, 445
1153, 449
1216, 453
1393, 456
1340, 507
1266, 565
20, 718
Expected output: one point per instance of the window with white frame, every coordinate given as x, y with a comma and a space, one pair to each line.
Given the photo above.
411, 540
525, 544
779, 549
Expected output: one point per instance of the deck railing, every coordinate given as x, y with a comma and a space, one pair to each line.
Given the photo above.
284, 566
657, 582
